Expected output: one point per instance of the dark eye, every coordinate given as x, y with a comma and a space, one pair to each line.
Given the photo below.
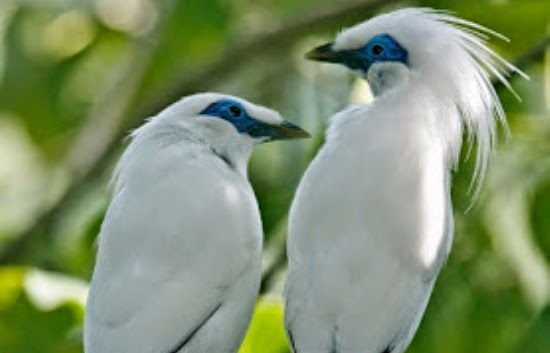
377, 49
235, 111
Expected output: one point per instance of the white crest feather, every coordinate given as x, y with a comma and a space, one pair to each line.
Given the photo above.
457, 64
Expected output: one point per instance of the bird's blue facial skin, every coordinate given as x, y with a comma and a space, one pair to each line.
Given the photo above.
379, 49
234, 112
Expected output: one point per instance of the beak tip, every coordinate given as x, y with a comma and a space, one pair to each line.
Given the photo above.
302, 135
322, 53
310, 55
293, 131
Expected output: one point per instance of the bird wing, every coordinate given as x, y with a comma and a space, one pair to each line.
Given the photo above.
159, 274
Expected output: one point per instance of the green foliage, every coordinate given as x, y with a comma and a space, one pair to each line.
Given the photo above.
536, 339
74, 77
24, 328
540, 219
266, 333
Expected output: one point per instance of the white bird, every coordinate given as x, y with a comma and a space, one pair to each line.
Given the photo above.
179, 252
371, 223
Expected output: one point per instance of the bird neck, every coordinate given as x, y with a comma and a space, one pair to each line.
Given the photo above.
387, 76
222, 140
236, 157
417, 104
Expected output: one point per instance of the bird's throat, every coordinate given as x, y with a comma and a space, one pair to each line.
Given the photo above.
386, 76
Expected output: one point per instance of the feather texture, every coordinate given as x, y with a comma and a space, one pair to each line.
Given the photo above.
449, 56
371, 222
179, 252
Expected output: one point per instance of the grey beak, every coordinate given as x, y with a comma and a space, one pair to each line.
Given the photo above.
283, 131
324, 53
287, 130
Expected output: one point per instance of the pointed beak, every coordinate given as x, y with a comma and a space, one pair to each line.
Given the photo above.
287, 130
282, 131
324, 53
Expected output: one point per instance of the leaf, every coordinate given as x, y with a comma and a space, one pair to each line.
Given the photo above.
266, 333
25, 329
536, 338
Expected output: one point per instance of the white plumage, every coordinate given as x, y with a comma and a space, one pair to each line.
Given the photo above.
179, 257
371, 223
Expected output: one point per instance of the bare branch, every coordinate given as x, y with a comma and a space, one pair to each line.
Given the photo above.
238, 54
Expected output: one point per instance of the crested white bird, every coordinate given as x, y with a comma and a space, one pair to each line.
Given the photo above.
371, 222
179, 252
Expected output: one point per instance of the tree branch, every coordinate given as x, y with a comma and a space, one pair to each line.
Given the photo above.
238, 54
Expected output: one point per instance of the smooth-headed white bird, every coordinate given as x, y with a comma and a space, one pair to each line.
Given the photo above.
371, 223
179, 252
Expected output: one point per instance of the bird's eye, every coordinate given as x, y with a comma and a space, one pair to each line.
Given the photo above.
377, 49
235, 111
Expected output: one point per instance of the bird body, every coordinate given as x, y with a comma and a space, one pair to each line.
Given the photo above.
179, 253
371, 222
378, 261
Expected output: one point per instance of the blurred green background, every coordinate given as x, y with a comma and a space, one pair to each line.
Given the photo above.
77, 76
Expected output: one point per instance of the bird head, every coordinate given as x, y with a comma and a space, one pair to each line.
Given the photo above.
438, 59
228, 126
259, 123
379, 58
217, 116
387, 49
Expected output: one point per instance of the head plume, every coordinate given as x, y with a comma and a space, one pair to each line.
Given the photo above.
451, 57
